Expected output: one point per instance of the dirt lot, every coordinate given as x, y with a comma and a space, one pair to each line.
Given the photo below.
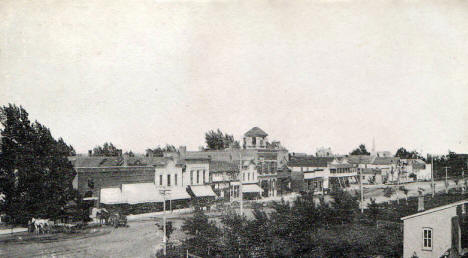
140, 239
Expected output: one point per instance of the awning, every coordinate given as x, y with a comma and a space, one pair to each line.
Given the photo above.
140, 193
252, 188
178, 194
111, 196
90, 199
202, 191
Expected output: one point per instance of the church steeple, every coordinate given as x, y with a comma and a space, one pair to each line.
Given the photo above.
373, 146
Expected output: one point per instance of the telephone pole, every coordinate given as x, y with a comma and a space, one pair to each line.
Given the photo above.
446, 179
432, 176
163, 193
240, 186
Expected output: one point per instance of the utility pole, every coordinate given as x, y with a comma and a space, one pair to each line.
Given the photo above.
432, 176
240, 186
163, 193
446, 180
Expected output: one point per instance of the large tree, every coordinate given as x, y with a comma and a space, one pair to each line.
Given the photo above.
36, 176
404, 154
217, 140
361, 150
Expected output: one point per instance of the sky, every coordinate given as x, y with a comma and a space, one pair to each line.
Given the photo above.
310, 73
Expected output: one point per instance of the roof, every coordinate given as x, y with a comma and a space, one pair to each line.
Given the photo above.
371, 171
309, 161
360, 159
251, 188
79, 161
385, 160
255, 132
435, 209
223, 166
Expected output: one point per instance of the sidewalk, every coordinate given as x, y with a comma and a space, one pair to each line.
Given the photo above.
12, 230
169, 214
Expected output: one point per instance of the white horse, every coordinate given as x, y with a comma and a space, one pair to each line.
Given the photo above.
40, 225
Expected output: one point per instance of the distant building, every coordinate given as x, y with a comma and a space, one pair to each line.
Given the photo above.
309, 173
436, 232
255, 138
324, 152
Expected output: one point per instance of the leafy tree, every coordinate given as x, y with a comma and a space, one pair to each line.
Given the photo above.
130, 153
344, 206
204, 235
404, 154
217, 140
361, 150
107, 150
405, 191
36, 176
373, 209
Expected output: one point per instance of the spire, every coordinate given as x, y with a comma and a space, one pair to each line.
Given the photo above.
373, 145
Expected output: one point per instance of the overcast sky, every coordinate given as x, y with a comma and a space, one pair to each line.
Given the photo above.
310, 73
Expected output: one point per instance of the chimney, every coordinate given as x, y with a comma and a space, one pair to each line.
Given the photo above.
420, 202
182, 152
90, 153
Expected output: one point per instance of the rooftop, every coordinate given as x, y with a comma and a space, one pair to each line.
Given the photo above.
309, 161
256, 132
435, 209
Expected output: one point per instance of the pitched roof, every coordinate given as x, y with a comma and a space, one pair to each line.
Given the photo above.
435, 209
309, 161
255, 132
385, 160
79, 161
360, 159
223, 166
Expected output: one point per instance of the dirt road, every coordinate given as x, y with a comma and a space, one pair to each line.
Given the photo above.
140, 239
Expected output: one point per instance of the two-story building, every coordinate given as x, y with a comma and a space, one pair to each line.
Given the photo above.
309, 173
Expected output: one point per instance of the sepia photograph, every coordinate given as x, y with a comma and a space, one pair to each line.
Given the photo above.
234, 128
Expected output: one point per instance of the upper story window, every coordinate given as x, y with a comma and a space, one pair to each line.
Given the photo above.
198, 176
191, 177
203, 176
169, 180
175, 179
254, 141
160, 179
427, 238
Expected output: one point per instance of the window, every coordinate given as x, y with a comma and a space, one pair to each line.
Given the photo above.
203, 176
169, 180
198, 176
243, 176
248, 176
191, 177
427, 238
175, 179
254, 141
160, 179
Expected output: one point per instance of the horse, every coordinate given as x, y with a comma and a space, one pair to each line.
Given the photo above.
102, 215
40, 225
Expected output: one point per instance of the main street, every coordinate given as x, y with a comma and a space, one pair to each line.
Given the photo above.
140, 239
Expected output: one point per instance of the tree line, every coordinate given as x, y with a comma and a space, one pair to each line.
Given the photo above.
307, 227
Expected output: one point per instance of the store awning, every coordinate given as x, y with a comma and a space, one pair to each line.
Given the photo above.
140, 193
202, 191
178, 194
253, 188
111, 196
